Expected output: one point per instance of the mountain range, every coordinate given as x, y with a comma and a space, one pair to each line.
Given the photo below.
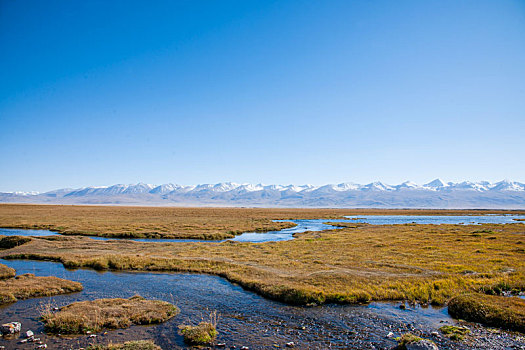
435, 194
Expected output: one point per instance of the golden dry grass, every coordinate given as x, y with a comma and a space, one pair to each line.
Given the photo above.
6, 272
29, 286
496, 311
8, 242
361, 263
163, 222
93, 316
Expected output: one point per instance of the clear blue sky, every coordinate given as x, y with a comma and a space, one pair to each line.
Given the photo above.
104, 92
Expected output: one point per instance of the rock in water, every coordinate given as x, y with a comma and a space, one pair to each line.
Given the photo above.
422, 344
29, 334
11, 328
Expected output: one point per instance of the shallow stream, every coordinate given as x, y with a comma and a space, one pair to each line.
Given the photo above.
246, 319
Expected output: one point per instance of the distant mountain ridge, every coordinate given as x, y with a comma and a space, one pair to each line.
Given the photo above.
435, 194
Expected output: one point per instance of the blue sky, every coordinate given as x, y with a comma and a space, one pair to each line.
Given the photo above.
104, 92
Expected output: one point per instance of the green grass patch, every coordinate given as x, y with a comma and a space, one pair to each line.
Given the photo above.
454, 332
409, 338
202, 334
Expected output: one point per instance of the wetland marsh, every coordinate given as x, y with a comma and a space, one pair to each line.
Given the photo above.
347, 282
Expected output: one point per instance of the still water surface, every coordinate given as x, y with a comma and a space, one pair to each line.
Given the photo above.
316, 225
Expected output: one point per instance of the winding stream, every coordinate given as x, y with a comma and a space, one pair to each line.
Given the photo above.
246, 319
314, 225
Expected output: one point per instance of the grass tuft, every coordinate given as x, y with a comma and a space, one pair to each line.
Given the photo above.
495, 311
203, 333
408, 338
6, 272
8, 242
93, 316
454, 332
29, 286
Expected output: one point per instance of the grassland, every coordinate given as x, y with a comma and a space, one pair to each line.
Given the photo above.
29, 286
190, 223
359, 263
93, 316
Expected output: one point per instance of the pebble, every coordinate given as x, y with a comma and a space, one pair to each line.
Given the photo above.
245, 348
221, 345
29, 334
422, 344
11, 328
290, 344
390, 335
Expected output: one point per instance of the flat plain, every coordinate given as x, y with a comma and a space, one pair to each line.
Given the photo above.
358, 263
174, 222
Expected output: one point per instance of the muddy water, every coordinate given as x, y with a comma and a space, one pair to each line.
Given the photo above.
246, 319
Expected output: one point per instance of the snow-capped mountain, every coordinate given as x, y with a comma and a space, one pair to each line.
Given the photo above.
435, 194
435, 185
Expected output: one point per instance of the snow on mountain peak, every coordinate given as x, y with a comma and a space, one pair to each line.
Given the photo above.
503, 194
225, 186
437, 183
507, 185
407, 184
378, 186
